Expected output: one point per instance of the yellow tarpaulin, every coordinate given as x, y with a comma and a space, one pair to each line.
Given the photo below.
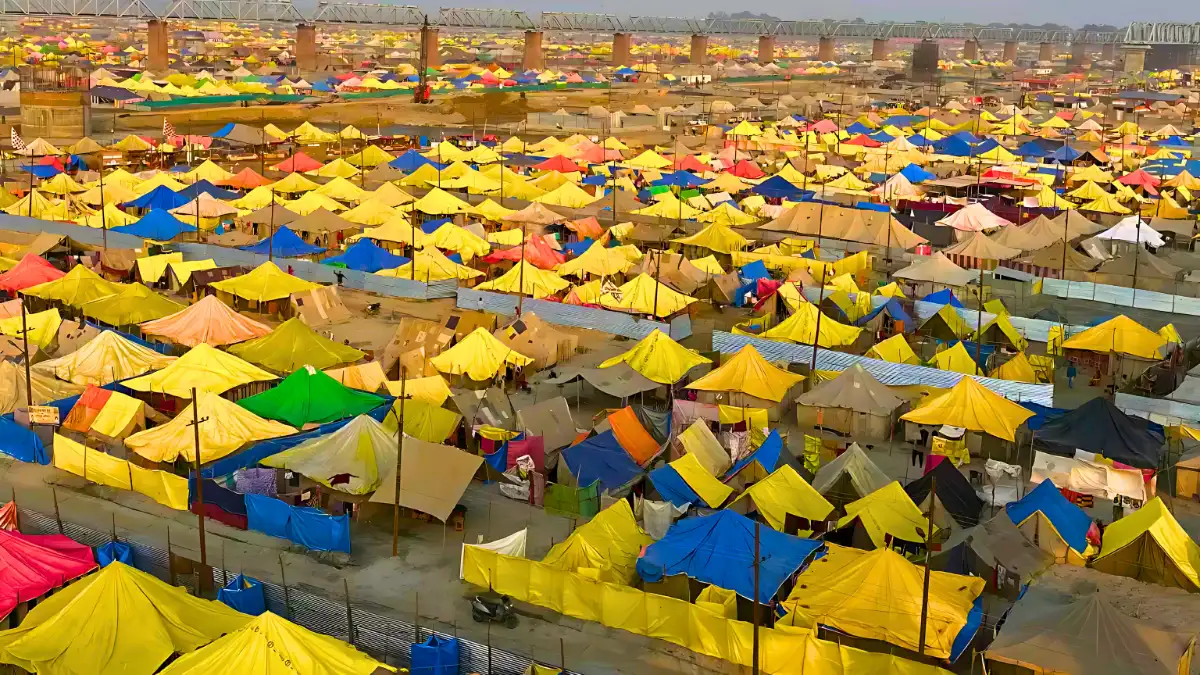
432, 389
292, 345
227, 428
610, 542
151, 268
749, 373
974, 407
479, 356
894, 350
108, 357
1016, 369
264, 283
699, 440
644, 295
786, 492
755, 418
133, 304
1121, 335
659, 358
165, 488
955, 359
887, 512
42, 327
801, 328
526, 279
423, 421
79, 286
204, 368
1150, 545
705, 485
717, 237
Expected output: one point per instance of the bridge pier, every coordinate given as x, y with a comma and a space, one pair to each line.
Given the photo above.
1133, 58
533, 58
1010, 51
925, 60
971, 50
306, 48
698, 54
1108, 52
1046, 51
825, 47
156, 46
622, 50
879, 49
766, 49
1079, 55
430, 48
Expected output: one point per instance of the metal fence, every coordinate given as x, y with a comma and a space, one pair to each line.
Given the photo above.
388, 639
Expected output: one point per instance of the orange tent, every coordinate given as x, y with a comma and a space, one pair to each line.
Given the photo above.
632, 436
246, 179
209, 321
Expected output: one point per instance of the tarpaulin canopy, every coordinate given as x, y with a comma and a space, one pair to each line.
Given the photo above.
310, 396
209, 321
954, 493
784, 492
801, 328
717, 237
855, 469
39, 328
749, 373
855, 389
433, 477
887, 513
601, 459
1066, 520
605, 548
119, 620
878, 595
132, 304
265, 644
292, 345
894, 350
81, 285
46, 387
535, 251
659, 358
687, 481
30, 271
644, 295
1151, 546
1099, 426
158, 225
936, 269
204, 368
264, 283
106, 358
526, 279
227, 428
351, 459
283, 243
719, 549
30, 569
479, 356
974, 407
367, 256
1121, 335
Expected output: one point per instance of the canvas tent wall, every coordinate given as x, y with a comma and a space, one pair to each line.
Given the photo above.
853, 403
999, 553
318, 307
1149, 545
849, 477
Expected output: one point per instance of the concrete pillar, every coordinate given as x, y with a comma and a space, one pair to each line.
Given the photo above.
1079, 55
879, 50
1133, 58
306, 48
430, 47
1046, 51
156, 46
825, 49
698, 54
622, 53
925, 60
534, 58
1108, 52
1010, 51
766, 49
971, 50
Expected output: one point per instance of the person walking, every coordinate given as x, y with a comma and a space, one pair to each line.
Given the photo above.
1071, 373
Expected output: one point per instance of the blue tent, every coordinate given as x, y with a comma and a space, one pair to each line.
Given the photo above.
577, 247
245, 594
881, 136
966, 137
985, 145
114, 551
767, 456
672, 487
943, 297
1064, 154
777, 187
158, 225
202, 186
161, 197
1175, 141
680, 178
410, 161
431, 226
1069, 520
894, 310
1032, 149
625, 70
601, 459
920, 141
22, 443
41, 170
719, 549
367, 256
595, 180
858, 128
955, 147
283, 244
436, 656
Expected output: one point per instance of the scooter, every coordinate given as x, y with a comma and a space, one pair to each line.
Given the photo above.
494, 608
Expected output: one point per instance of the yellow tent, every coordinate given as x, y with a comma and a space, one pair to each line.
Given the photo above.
1120, 335
429, 264
1170, 334
42, 327
955, 359
887, 512
568, 195
292, 345
644, 295
658, 358
264, 283
974, 407
715, 237
227, 428
342, 190
801, 328
492, 211
293, 183
1106, 204
879, 595
479, 356
270, 644
649, 160
669, 207
371, 212
209, 171
605, 548
79, 286
727, 214
451, 237
438, 202
749, 373
370, 156
132, 143
106, 358
32, 205
891, 290
62, 184
338, 167
134, 303
709, 265
597, 260
119, 620
204, 368
312, 201
1088, 192
786, 492
1149, 545
894, 350
526, 279
1016, 369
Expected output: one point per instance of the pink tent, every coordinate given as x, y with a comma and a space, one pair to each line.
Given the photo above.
29, 570
746, 169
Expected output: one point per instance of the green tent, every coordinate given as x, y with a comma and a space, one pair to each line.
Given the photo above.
310, 396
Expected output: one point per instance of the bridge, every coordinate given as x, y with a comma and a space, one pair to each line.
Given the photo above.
1135, 39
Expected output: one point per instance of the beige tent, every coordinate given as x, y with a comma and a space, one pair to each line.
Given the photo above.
46, 388
937, 269
535, 338
853, 402
849, 477
433, 480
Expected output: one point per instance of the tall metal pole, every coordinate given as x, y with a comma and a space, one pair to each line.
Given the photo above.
25, 348
103, 216
928, 545
270, 226
979, 318
754, 667
521, 274
196, 420
399, 459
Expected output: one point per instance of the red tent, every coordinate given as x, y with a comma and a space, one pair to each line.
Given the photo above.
598, 155
746, 169
298, 162
863, 140
558, 163
1138, 178
537, 253
29, 570
586, 227
246, 179
690, 163
31, 271
51, 161
824, 127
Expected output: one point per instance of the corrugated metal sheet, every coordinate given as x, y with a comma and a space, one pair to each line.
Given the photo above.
625, 325
1120, 295
1161, 410
887, 373
385, 638
81, 234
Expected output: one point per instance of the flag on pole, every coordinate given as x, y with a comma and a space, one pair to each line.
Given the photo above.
168, 130
18, 143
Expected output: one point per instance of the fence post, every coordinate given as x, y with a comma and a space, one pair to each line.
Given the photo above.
349, 616
58, 516
287, 601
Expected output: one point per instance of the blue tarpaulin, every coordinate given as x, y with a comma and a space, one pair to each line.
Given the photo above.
41, 170
244, 594
202, 186
114, 551
303, 525
893, 309
963, 639
1065, 154
767, 456
672, 487
943, 297
578, 247
158, 225
601, 459
367, 256
1069, 520
161, 197
916, 174
410, 161
718, 549
435, 656
283, 244
777, 187
20, 443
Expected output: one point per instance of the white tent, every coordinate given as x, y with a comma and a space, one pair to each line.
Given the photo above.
1133, 230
